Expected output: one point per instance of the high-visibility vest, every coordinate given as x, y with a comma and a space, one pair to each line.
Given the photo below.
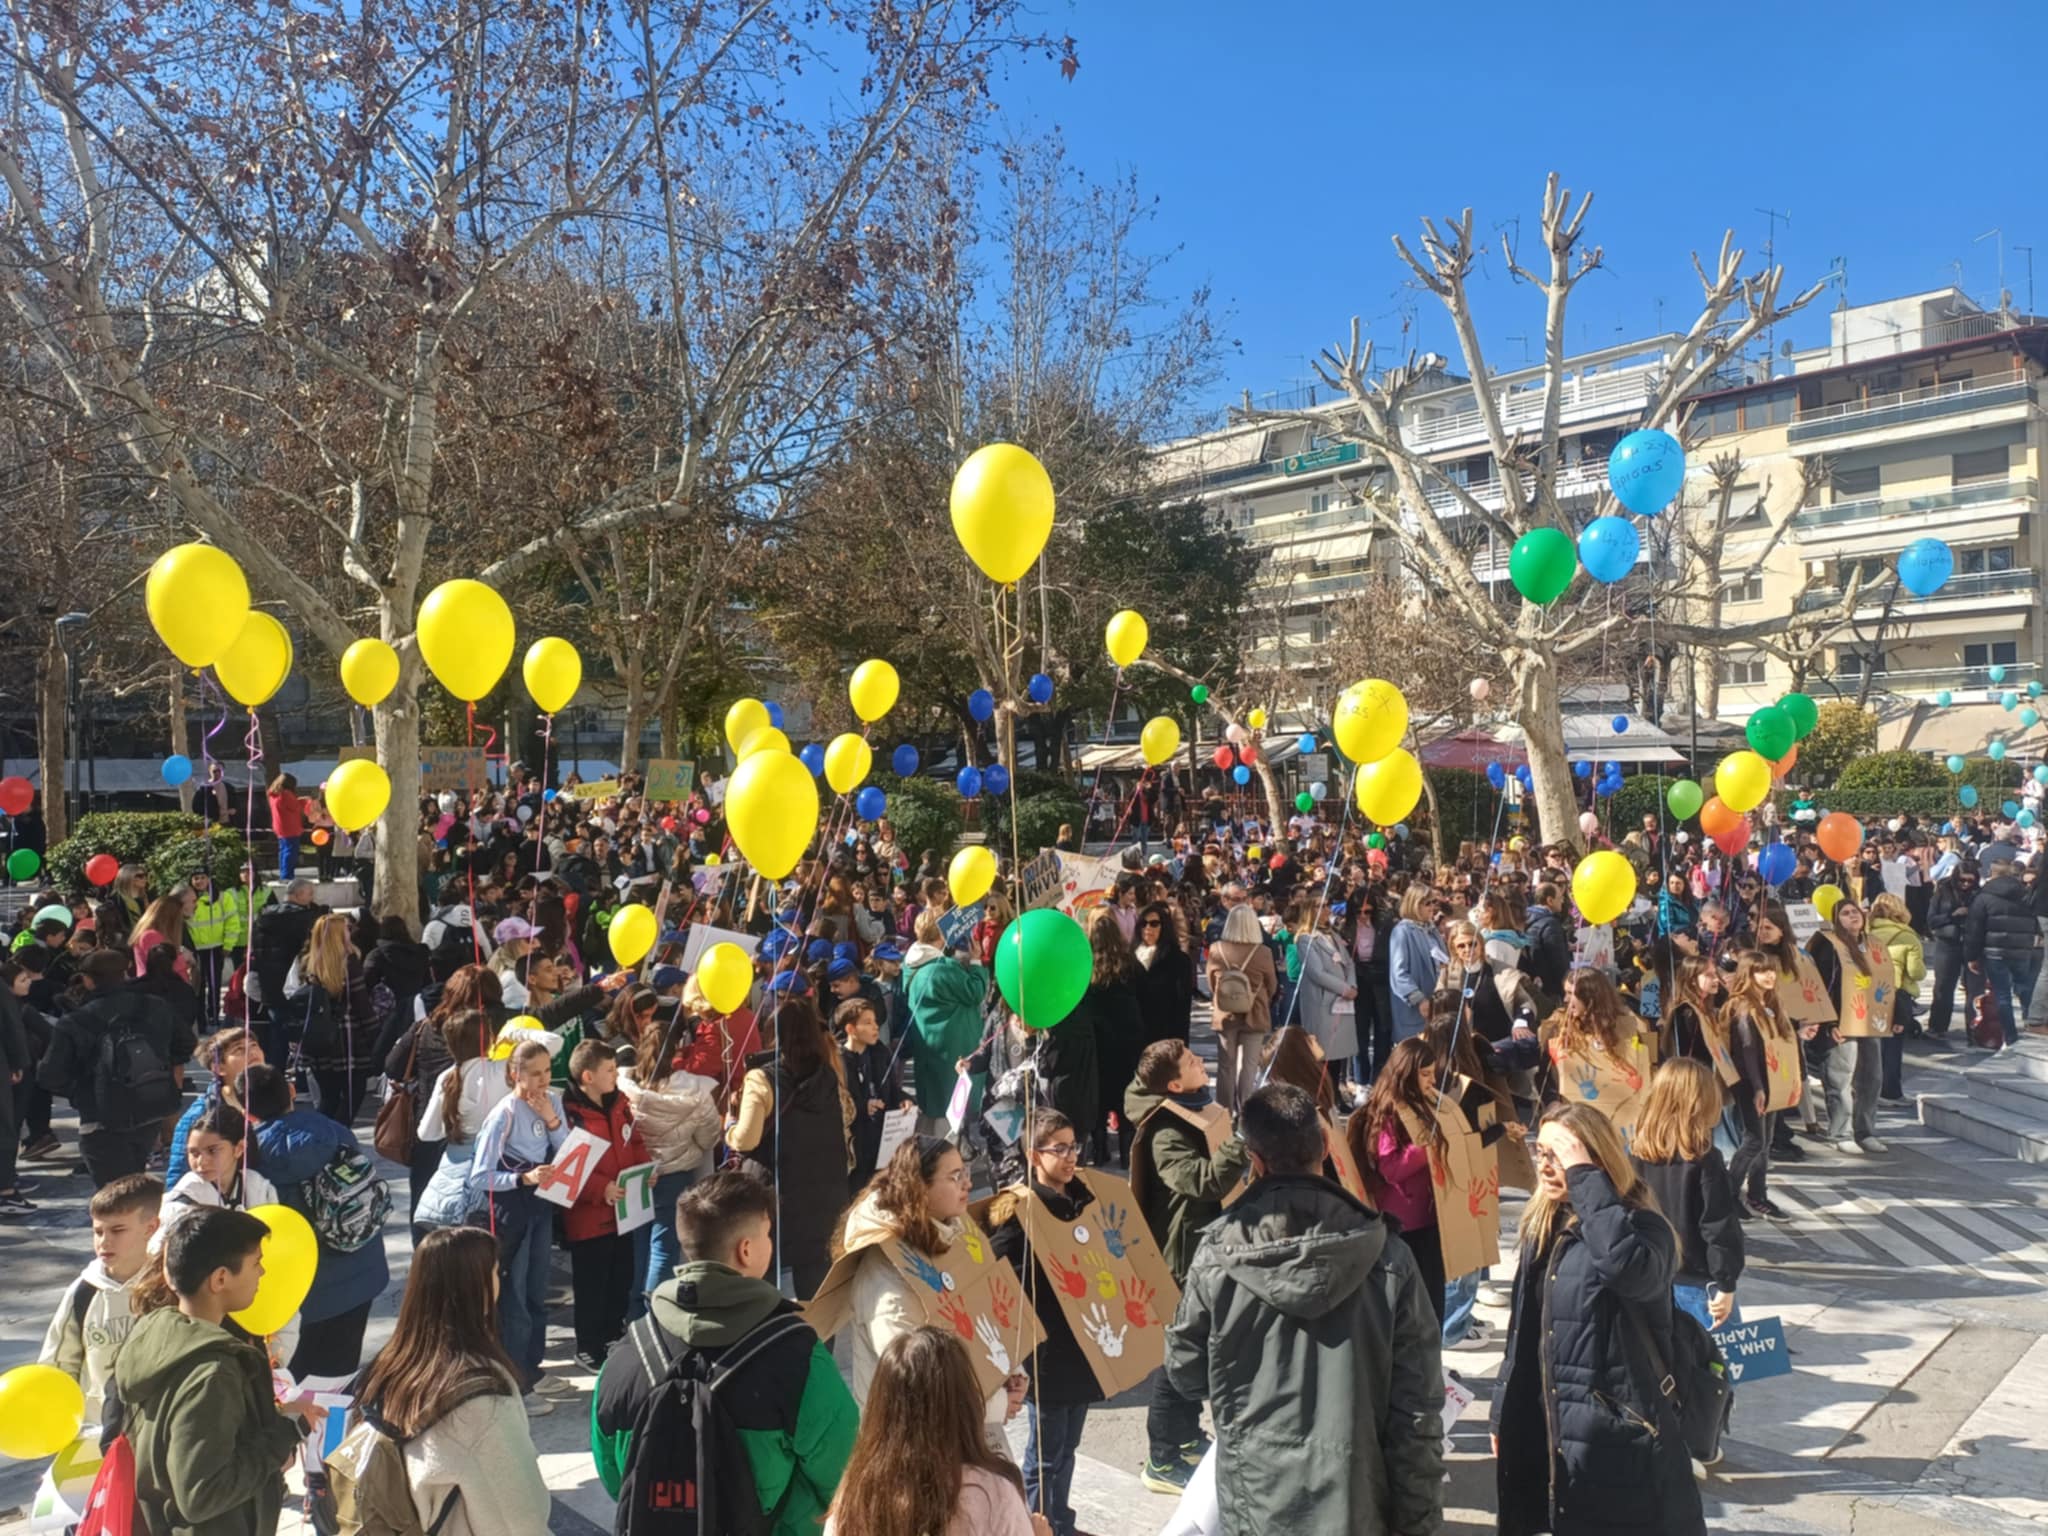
207, 927
237, 903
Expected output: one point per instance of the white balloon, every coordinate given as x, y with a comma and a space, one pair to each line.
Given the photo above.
526, 813
1681, 837
448, 802
1588, 823
1317, 790
1235, 735
1480, 689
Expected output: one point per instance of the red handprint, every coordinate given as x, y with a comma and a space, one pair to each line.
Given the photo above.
1072, 1281
1002, 1302
1482, 1192
1138, 1302
955, 1314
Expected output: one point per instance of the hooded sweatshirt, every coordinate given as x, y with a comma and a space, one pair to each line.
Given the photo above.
481, 1450
84, 1344
708, 1307
201, 1416
945, 998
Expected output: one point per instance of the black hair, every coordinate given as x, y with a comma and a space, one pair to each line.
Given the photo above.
711, 1212
211, 1238
222, 1119
267, 1092
1280, 1124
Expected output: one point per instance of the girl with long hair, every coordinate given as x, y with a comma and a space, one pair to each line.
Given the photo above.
1759, 1037
793, 1130
1861, 980
463, 1092
1594, 1031
1803, 996
922, 1465
1394, 1159
338, 1020
162, 922
1295, 1056
447, 1392
1674, 1152
1583, 1438
677, 1112
1692, 1028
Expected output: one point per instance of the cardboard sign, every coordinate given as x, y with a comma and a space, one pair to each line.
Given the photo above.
1868, 996
1805, 920
461, 769
669, 778
1615, 1083
1803, 995
572, 1168
1339, 1151
957, 923
1465, 1173
1786, 1071
634, 1208
1755, 1350
898, 1126
1110, 1277
1088, 881
597, 789
1038, 883
1214, 1124
956, 1106
966, 1288
702, 936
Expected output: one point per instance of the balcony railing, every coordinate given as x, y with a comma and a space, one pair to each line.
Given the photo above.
1985, 493
1618, 392
1975, 584
1928, 403
2015, 675
1271, 530
1587, 478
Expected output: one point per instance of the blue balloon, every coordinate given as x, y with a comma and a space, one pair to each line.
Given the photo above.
1646, 471
995, 779
548, 794
1620, 724
1241, 774
1924, 565
981, 704
1319, 789
2025, 818
2041, 773
870, 803
1968, 795
968, 781
1776, 863
1944, 698
904, 760
1307, 744
1401, 830
1582, 770
2011, 809
1608, 547
1039, 689
1996, 751
2008, 700
1524, 777
177, 768
1496, 776
1955, 762
1996, 674
1607, 787
813, 758
2030, 717
775, 714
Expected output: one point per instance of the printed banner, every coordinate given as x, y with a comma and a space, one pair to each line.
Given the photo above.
635, 1205
597, 789
702, 936
670, 778
1755, 1350
572, 1168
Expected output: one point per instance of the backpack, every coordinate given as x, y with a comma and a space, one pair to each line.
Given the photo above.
688, 1473
1233, 991
1695, 1382
319, 1034
131, 1082
110, 1505
367, 1482
346, 1202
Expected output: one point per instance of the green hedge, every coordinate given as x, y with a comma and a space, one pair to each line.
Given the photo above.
171, 843
1892, 770
924, 812
1939, 804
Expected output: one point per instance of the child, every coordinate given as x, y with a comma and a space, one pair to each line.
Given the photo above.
1674, 1152
198, 1404
600, 1256
93, 1318
1758, 1033
515, 1148
872, 1082
227, 1054
1183, 1163
795, 1417
218, 1172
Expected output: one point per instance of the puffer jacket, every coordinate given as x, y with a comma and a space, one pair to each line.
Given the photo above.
2001, 923
1588, 1446
1909, 958
290, 1151
1309, 1331
1947, 912
679, 1120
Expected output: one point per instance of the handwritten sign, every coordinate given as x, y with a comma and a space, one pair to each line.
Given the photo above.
597, 789
669, 778
898, 1126
572, 1168
1805, 920
635, 1206
1038, 883
956, 1107
460, 769
1755, 1350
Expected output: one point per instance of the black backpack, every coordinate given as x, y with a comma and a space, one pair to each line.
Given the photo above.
688, 1473
319, 1033
132, 1084
1695, 1382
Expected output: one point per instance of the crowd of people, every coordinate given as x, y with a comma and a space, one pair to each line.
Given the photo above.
222, 1055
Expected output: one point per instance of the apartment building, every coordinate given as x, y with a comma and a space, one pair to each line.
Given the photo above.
1923, 416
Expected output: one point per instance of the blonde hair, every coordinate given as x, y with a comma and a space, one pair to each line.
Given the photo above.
927, 929
326, 958
1464, 929
1889, 907
1678, 1118
1542, 1215
166, 917
1415, 902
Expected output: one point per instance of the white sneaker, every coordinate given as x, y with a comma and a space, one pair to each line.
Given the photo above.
555, 1386
538, 1406
1872, 1144
1848, 1149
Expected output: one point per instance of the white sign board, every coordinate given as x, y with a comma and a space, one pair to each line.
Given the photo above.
571, 1168
702, 936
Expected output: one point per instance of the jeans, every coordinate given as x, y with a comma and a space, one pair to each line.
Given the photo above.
426, 1157
338, 1095
663, 1250
2012, 984
1460, 1295
1851, 1076
1692, 1300
1171, 1421
1948, 970
1052, 1437
1751, 1164
525, 1236
287, 857
1237, 1063
333, 1346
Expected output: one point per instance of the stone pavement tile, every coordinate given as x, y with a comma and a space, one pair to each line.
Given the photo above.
2000, 1455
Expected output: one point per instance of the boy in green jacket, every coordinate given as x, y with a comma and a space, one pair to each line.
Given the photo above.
794, 1414
197, 1402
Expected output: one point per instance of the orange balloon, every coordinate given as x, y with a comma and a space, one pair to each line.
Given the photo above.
1716, 820
1839, 835
1785, 764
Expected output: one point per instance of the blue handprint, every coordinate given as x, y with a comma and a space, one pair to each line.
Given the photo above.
1589, 1088
1113, 1217
925, 1270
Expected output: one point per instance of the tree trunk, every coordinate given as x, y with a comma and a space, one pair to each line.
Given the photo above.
397, 878
181, 739
54, 732
1276, 808
671, 730
1542, 720
636, 713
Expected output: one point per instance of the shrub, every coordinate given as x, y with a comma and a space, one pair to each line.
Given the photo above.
1936, 805
925, 813
1892, 770
171, 843
1039, 819
1844, 734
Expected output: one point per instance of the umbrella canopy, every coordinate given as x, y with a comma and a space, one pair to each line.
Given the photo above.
1472, 750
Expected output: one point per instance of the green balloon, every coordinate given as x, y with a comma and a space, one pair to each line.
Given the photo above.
1804, 712
23, 863
1375, 840
1304, 802
1685, 799
1771, 732
1043, 965
1542, 564
1199, 693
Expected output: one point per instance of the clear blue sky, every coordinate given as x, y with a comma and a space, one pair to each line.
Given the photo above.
1287, 140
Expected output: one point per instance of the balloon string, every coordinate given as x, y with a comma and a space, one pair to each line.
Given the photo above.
476, 938
1108, 730
206, 745
252, 741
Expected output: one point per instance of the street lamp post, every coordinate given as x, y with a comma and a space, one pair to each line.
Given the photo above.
71, 640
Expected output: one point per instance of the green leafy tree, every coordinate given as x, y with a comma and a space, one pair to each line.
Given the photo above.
1890, 770
1845, 732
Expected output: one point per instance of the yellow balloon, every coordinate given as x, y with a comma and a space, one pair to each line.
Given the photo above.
712, 860
41, 1412
290, 1255
1388, 788
873, 688
771, 809
1825, 899
1160, 739
256, 665
553, 672
1742, 780
1002, 509
971, 875
369, 671
1256, 719
1603, 886
357, 793
725, 976
847, 761
632, 933
1126, 635
744, 718
1370, 720
766, 739
466, 634
197, 598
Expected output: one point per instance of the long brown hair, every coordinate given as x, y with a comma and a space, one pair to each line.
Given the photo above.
1542, 1216
1678, 1118
167, 916
920, 1431
445, 1346
901, 1188
1114, 961
1290, 1058
1760, 1003
472, 989
1407, 1081
1852, 943
1605, 1013
466, 1035
1785, 952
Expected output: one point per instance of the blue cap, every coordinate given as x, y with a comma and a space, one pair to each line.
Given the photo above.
672, 936
789, 981
772, 944
846, 951
786, 915
818, 950
839, 970
888, 954
666, 976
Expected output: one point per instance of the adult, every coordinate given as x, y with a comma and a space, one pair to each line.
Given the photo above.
1166, 979
276, 939
945, 995
1242, 982
2002, 943
398, 963
1948, 914
1415, 956
792, 1129
1547, 955
1085, 1083
1496, 998
338, 1019
1583, 1439
1327, 1000
1858, 975
119, 1057
1306, 1324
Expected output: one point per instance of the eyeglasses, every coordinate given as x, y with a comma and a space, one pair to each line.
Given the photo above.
958, 1176
1063, 1150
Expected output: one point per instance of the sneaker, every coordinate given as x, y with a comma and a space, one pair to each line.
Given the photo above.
555, 1386
14, 1202
1477, 1336
1769, 1210
1166, 1477
1193, 1452
1872, 1144
1790, 1152
537, 1406
1499, 1293
1743, 1212
45, 1145
1848, 1149
588, 1361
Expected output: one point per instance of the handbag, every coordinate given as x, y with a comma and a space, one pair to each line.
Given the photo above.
1702, 1398
1987, 1027
396, 1134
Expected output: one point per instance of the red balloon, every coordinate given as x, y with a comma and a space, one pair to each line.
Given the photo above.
101, 868
668, 823
1248, 752
1839, 835
16, 795
1224, 758
1716, 818
1735, 839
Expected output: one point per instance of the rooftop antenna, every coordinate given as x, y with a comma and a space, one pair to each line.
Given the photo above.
1525, 347
2030, 277
1998, 234
1771, 260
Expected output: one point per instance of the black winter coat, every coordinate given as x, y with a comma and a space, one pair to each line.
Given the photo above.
1549, 955
1060, 1376
1947, 911
1166, 996
1700, 1202
1111, 1010
1067, 1061
2001, 923
1588, 1447
803, 1143
281, 932
69, 1066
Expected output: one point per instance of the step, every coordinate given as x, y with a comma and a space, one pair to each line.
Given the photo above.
2013, 1092
2011, 1134
2029, 1056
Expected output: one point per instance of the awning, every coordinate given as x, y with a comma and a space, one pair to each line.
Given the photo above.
1205, 456
1114, 757
1473, 750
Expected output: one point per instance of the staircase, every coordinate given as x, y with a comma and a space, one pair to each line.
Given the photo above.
2000, 1104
